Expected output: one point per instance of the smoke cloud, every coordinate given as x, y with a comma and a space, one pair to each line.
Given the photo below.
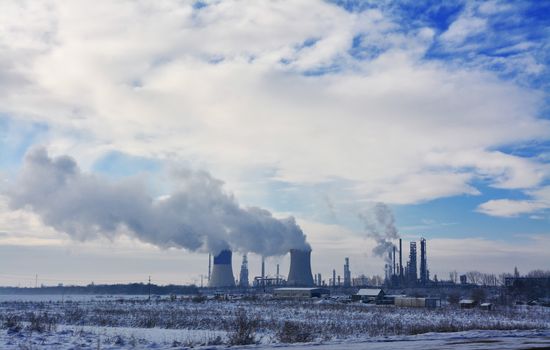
379, 224
198, 215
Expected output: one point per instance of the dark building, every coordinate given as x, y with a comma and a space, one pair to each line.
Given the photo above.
243, 276
424, 277
412, 275
528, 287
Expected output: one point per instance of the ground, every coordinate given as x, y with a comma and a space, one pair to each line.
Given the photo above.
124, 322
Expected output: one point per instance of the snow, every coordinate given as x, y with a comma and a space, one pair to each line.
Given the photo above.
140, 338
121, 322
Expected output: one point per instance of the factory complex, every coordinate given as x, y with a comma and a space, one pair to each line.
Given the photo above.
220, 273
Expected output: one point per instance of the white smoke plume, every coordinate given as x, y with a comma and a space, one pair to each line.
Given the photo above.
198, 215
379, 224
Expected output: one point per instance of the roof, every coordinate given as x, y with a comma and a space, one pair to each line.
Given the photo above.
369, 292
486, 304
467, 301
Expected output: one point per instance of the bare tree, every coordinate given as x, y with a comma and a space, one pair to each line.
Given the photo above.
376, 280
453, 275
538, 274
502, 277
474, 277
488, 279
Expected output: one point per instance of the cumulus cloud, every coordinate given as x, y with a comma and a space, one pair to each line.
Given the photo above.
269, 85
199, 214
539, 201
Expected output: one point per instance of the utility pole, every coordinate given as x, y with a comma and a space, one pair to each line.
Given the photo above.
149, 288
36, 281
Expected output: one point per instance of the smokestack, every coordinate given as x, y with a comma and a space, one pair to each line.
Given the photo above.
222, 272
423, 262
300, 268
347, 274
263, 271
412, 274
334, 278
209, 266
400, 258
393, 260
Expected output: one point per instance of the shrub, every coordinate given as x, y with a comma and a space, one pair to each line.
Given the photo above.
244, 330
294, 332
41, 323
199, 299
12, 323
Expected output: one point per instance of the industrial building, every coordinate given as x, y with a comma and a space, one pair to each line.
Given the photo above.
398, 275
298, 292
412, 276
467, 304
243, 276
424, 273
417, 302
300, 274
222, 271
347, 274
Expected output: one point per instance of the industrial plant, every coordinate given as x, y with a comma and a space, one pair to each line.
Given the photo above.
414, 273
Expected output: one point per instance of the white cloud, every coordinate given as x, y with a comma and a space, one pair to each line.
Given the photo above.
208, 86
540, 201
464, 27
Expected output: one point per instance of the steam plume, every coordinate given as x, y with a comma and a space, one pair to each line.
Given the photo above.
380, 225
198, 215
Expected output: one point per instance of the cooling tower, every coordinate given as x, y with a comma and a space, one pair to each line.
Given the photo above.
222, 272
300, 268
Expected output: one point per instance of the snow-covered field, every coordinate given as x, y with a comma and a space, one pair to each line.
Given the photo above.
121, 322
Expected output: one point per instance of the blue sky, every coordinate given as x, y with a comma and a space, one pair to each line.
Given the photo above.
314, 109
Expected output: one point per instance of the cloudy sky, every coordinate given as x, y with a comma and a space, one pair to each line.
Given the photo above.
306, 109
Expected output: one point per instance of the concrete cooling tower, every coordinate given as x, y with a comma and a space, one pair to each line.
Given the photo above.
222, 272
300, 268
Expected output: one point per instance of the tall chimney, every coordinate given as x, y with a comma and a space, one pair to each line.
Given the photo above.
393, 261
423, 262
263, 271
400, 258
347, 274
222, 271
300, 268
209, 265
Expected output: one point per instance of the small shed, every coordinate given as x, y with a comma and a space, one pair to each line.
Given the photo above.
433, 303
486, 306
467, 303
368, 295
389, 299
289, 292
410, 302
